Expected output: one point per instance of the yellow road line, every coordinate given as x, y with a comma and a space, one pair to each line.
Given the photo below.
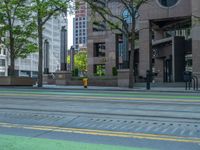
98, 97
105, 133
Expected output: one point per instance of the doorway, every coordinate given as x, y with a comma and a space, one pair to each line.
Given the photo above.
168, 70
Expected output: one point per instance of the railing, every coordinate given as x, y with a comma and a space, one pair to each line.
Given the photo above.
193, 82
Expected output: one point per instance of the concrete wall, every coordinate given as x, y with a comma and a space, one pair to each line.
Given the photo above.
196, 37
123, 78
152, 11
107, 37
159, 70
110, 53
145, 51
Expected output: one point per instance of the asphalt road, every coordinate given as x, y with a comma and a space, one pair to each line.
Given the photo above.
111, 119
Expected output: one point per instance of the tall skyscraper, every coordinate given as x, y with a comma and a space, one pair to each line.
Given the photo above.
80, 26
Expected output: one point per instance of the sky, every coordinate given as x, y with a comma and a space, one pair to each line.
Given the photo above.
70, 30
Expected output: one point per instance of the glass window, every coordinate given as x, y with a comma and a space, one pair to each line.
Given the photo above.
84, 40
2, 62
99, 70
99, 50
80, 40
127, 17
2, 73
168, 3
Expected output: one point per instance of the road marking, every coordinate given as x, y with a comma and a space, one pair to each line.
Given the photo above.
104, 133
98, 97
157, 95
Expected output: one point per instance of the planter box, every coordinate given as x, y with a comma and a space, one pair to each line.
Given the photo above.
123, 77
62, 77
48, 79
17, 81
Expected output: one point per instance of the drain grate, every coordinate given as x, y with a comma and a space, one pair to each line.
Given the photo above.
143, 126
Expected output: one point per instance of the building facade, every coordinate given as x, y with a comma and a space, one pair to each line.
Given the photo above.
101, 46
169, 38
168, 42
3, 61
80, 26
52, 35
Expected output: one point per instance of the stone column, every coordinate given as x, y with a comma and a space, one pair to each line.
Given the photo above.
158, 34
125, 53
63, 50
110, 60
196, 37
159, 70
90, 46
46, 75
63, 76
72, 58
145, 50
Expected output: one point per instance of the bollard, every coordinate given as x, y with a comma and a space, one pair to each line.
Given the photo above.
85, 82
148, 80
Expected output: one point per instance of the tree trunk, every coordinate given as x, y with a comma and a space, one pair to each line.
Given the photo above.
12, 56
131, 59
12, 66
40, 60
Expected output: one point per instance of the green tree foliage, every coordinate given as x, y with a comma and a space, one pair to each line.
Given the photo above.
116, 22
80, 61
18, 29
45, 10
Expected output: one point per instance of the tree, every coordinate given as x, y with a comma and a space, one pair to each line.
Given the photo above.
45, 10
118, 23
18, 30
80, 61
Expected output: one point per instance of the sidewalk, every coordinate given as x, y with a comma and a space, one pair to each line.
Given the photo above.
153, 89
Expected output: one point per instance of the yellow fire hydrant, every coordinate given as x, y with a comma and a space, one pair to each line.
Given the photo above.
85, 82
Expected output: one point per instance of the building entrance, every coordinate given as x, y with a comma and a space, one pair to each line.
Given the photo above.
167, 70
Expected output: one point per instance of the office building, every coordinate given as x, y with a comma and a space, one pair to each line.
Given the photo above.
80, 26
168, 42
51, 34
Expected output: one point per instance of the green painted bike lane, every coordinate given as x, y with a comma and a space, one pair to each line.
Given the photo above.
104, 94
26, 143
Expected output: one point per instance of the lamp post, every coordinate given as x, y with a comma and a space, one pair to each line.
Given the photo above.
46, 57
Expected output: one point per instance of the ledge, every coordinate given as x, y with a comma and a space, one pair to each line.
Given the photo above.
16, 81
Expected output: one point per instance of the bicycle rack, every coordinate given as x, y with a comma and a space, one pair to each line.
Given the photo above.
195, 82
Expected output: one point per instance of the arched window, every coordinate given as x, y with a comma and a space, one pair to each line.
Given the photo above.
126, 16
168, 3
